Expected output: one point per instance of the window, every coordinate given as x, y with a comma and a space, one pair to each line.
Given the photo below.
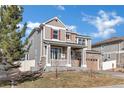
67, 36
55, 53
80, 41
83, 40
108, 55
55, 34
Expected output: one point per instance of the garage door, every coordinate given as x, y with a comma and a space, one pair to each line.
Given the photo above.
93, 64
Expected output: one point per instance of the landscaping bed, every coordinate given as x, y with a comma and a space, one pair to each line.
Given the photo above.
71, 80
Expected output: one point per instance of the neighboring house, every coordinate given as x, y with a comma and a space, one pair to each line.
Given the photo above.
52, 44
112, 50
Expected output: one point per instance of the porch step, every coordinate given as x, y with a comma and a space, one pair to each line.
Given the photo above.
52, 69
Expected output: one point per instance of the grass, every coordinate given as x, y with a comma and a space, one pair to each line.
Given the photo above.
71, 80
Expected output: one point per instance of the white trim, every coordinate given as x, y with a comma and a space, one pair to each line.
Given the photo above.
68, 65
85, 66
69, 56
55, 40
98, 64
119, 53
47, 53
49, 65
41, 45
55, 27
44, 32
122, 51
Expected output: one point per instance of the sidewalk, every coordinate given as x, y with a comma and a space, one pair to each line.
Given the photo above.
114, 74
113, 86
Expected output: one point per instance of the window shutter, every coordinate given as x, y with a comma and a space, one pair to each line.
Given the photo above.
59, 34
51, 33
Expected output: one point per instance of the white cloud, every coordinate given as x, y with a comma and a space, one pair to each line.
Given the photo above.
20, 26
105, 23
60, 7
32, 25
72, 27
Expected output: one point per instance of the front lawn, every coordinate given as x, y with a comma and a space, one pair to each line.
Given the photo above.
71, 80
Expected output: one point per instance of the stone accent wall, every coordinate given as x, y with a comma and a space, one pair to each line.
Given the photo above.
42, 62
75, 63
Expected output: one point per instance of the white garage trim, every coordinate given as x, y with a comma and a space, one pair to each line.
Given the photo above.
107, 65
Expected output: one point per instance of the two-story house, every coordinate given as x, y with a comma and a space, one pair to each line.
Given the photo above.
111, 49
52, 44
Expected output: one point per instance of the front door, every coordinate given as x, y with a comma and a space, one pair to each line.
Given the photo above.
55, 53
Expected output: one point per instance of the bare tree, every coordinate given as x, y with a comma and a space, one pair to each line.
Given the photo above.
56, 64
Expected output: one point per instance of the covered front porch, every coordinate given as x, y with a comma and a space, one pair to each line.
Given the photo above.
65, 55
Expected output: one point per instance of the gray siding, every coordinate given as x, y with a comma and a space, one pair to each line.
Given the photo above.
122, 45
34, 51
110, 47
97, 48
110, 51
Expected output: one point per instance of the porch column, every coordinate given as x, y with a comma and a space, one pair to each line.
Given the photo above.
69, 56
48, 53
83, 58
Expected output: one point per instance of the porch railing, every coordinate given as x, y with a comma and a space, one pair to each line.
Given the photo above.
58, 62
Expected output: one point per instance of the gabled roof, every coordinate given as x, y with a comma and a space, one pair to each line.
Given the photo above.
35, 29
55, 18
108, 41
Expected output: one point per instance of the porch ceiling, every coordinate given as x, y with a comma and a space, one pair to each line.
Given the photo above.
58, 43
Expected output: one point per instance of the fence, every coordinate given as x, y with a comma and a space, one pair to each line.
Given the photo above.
107, 65
26, 65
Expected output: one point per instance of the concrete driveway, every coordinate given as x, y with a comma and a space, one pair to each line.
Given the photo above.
114, 74
113, 86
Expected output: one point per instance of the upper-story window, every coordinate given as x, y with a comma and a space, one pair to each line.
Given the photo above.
79, 41
67, 36
55, 34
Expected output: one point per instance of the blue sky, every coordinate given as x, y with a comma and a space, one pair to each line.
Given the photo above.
83, 19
